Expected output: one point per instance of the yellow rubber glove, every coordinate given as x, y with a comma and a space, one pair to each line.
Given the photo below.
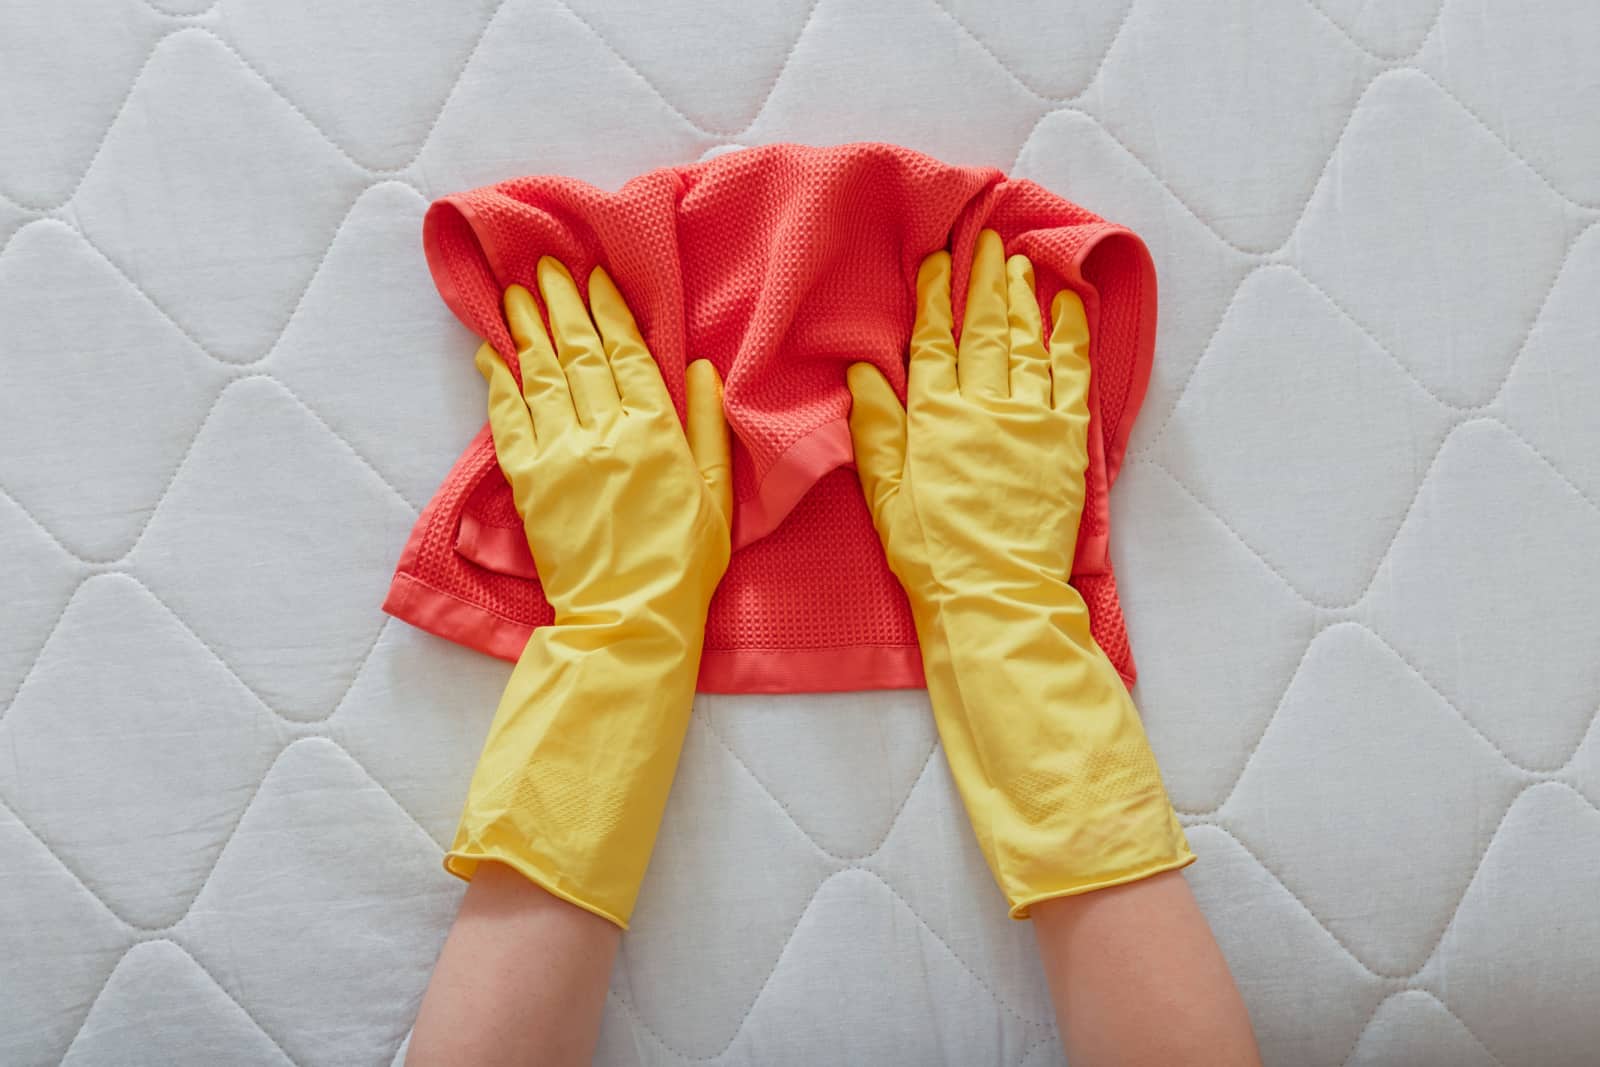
976, 493
628, 522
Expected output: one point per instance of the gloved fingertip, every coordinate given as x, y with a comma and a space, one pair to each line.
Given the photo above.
863, 377
485, 360
1069, 333
1067, 305
605, 300
516, 299
934, 265
702, 374
707, 429
551, 266
603, 291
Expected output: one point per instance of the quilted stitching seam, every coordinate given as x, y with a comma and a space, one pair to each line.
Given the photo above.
1487, 1051
294, 310
1383, 57
316, 271
1548, 182
183, 460
139, 290
1037, 1044
1540, 773
158, 9
844, 864
1543, 776
100, 992
1221, 825
744, 1018
169, 931
1021, 83
1352, 604
894, 817
1459, 407
33, 663
702, 128
422, 144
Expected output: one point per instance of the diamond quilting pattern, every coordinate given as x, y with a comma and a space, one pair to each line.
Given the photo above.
757, 873
1545, 398
95, 769
12, 217
160, 1002
40, 577
565, 106
55, 60
1197, 272
1383, 190
1316, 388
1549, 839
277, 900
1053, 57
1285, 961
1388, 31
1542, 112
652, 40
1434, 604
281, 543
400, 687
1394, 201
957, 897
72, 944
373, 85
1205, 704
375, 357
1585, 765
853, 926
1416, 1029
1244, 151
879, 742
94, 488
852, 78
168, 208
1384, 886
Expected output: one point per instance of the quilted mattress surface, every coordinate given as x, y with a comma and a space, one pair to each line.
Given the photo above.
1359, 530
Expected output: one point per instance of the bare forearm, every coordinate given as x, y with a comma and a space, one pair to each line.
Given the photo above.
522, 979
1137, 978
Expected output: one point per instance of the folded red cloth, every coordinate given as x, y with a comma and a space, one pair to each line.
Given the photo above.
782, 265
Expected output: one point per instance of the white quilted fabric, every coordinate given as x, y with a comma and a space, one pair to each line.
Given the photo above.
1359, 534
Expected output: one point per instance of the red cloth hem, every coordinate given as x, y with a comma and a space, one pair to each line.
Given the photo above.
502, 550
1115, 278
746, 670
446, 616
824, 449
812, 670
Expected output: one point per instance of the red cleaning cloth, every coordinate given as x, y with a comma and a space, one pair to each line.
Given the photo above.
782, 265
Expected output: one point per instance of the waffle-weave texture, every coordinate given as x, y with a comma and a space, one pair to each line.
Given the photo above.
782, 265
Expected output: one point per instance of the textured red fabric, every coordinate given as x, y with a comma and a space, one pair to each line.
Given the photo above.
782, 265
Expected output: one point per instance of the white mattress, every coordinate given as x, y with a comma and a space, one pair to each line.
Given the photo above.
1359, 536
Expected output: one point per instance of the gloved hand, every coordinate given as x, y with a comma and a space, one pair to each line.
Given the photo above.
976, 490
629, 526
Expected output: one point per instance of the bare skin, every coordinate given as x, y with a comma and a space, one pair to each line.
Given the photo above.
522, 979
1137, 978
1135, 975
